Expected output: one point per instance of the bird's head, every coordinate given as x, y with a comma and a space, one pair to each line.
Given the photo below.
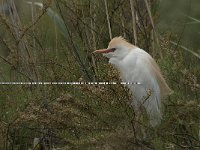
118, 48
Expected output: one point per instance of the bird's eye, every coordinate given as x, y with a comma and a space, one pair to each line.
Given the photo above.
112, 49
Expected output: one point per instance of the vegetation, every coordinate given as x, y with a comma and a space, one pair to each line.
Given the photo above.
53, 41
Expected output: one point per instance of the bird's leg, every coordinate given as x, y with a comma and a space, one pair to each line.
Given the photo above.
138, 103
137, 124
139, 117
144, 131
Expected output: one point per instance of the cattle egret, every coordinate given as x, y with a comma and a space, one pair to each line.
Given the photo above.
138, 67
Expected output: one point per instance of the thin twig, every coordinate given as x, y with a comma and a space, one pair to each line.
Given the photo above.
133, 21
154, 30
108, 19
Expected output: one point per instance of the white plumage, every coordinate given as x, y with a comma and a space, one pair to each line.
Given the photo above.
136, 65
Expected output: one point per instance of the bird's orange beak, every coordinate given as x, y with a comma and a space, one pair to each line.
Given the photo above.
104, 50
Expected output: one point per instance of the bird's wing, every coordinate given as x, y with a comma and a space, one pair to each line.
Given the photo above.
136, 68
164, 88
139, 66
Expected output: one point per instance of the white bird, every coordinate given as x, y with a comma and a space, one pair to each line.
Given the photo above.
137, 66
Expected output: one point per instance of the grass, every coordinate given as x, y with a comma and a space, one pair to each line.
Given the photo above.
90, 116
